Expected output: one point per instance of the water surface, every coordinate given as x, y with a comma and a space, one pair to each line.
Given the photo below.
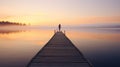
100, 46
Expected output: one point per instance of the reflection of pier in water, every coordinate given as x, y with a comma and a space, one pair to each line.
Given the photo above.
59, 52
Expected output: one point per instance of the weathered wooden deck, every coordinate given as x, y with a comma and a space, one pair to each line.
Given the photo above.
59, 52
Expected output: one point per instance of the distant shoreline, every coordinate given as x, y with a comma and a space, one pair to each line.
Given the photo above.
7, 23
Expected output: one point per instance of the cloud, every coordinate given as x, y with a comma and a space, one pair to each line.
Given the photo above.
104, 19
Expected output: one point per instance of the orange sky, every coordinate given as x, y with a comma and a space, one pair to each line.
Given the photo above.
37, 20
66, 12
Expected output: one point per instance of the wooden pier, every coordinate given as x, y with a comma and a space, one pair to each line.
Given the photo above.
59, 52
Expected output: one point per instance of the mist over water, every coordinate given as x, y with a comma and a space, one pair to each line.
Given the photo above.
19, 44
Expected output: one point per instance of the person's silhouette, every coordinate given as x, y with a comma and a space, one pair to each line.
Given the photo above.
59, 26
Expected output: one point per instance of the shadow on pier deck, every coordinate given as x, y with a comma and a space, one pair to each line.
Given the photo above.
59, 52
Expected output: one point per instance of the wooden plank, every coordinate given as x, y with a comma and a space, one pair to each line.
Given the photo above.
59, 65
59, 52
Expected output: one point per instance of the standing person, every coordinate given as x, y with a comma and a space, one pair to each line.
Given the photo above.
59, 26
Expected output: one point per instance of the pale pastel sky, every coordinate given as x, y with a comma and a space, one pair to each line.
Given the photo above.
67, 12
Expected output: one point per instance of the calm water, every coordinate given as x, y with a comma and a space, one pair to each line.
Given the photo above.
100, 46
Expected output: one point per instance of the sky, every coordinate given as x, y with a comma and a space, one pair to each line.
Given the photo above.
66, 12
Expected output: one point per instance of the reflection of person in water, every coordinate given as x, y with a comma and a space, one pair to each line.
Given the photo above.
59, 26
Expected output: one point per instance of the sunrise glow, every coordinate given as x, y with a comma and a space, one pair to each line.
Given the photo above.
67, 12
